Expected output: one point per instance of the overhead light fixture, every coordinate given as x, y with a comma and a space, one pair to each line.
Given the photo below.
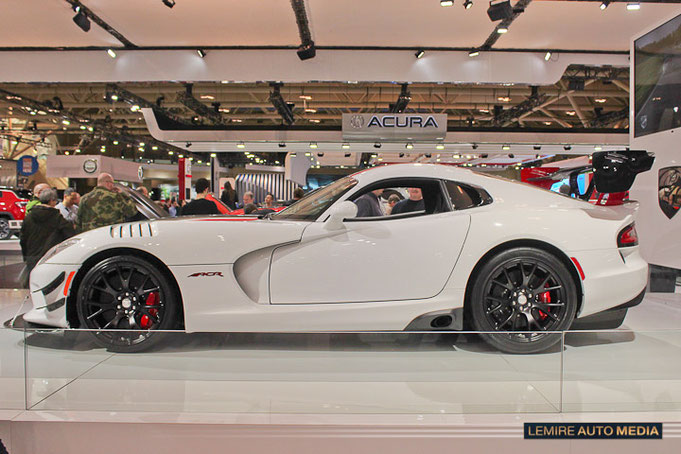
81, 19
313, 144
65, 122
419, 53
308, 154
537, 147
320, 154
570, 113
111, 53
511, 155
604, 4
201, 52
377, 145
308, 110
345, 146
241, 145
446, 2
600, 100
282, 144
169, 3
409, 146
474, 53
467, 4
598, 148
500, 10
504, 99
567, 148
440, 146
547, 57
506, 147
633, 6
428, 155
502, 30
307, 50
135, 108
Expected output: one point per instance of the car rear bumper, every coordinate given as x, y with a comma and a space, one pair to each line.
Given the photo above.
611, 279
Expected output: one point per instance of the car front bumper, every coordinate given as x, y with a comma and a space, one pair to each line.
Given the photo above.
49, 288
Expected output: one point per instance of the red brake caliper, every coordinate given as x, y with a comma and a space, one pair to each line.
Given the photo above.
544, 298
152, 300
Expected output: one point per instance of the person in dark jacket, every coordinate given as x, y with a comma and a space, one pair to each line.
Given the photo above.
200, 205
413, 203
368, 204
229, 196
43, 228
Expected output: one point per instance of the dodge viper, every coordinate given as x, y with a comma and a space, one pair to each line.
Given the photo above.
510, 260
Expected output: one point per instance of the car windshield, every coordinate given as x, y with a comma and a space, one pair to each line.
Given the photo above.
310, 207
145, 206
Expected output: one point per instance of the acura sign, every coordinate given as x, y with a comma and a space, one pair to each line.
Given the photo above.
391, 126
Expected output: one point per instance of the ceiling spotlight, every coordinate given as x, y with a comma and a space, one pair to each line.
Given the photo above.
474, 146
600, 100
633, 6
420, 53
81, 19
115, 142
502, 30
282, 144
511, 155
440, 146
446, 2
547, 57
499, 10
313, 144
169, 3
604, 4
111, 53
135, 108
409, 146
188, 145
307, 50
347, 155
467, 4
345, 146
537, 147
241, 145
567, 148
474, 53
201, 52
401, 155
320, 154
506, 147
428, 155
377, 145
598, 148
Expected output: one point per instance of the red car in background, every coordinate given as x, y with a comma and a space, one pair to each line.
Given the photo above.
12, 210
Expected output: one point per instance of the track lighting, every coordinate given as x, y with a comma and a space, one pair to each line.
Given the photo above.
506, 147
401, 155
188, 145
502, 30
81, 19
347, 155
474, 53
604, 4
474, 146
201, 52
446, 2
511, 155
345, 146
500, 10
377, 145
111, 53
440, 146
467, 4
547, 57
567, 148
420, 53
313, 144
169, 3
282, 144
633, 6
320, 154
241, 145
409, 146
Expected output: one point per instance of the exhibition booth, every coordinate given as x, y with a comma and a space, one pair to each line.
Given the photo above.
414, 298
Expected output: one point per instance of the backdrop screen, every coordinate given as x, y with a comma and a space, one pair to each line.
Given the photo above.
657, 79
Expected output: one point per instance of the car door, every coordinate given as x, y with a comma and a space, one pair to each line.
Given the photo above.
371, 259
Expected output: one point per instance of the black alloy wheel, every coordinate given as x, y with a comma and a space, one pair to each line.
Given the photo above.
5, 232
129, 294
528, 296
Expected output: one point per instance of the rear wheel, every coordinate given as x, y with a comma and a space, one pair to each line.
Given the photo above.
129, 294
5, 232
522, 298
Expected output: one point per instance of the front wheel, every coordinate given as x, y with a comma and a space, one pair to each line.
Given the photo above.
521, 299
129, 294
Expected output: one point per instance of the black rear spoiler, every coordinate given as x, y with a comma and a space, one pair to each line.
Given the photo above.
615, 171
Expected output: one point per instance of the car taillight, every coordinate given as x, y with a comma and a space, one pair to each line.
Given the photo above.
627, 237
21, 204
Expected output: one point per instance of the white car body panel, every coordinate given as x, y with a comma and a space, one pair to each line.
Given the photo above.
379, 274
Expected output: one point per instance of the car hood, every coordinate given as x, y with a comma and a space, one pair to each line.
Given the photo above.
187, 240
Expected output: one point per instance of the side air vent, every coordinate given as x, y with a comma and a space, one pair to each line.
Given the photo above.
132, 230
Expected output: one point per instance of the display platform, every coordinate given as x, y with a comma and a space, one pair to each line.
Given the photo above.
297, 392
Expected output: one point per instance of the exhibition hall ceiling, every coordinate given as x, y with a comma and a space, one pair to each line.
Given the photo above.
574, 25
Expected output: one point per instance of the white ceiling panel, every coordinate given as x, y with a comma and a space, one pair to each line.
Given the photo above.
201, 22
29, 23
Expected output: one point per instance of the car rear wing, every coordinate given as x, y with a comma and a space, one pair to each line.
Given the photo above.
615, 171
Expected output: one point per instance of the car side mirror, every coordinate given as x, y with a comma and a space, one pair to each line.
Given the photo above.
340, 212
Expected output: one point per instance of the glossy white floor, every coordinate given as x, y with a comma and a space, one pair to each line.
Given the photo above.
349, 379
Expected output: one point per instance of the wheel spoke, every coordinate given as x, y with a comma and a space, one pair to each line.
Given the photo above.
94, 314
529, 276
144, 292
108, 289
107, 283
508, 278
543, 283
501, 325
114, 321
547, 312
548, 289
501, 284
99, 303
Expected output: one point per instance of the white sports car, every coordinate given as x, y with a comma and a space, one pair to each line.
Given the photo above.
478, 252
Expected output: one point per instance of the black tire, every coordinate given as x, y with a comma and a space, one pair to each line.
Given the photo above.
528, 295
116, 293
5, 232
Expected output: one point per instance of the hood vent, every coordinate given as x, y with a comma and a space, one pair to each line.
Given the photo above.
132, 230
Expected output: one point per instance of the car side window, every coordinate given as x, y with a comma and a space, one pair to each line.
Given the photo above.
464, 196
400, 198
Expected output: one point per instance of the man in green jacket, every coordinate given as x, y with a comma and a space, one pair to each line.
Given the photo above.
104, 205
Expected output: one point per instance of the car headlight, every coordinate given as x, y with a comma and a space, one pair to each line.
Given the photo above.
58, 248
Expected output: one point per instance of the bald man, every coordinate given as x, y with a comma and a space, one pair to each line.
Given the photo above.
104, 205
36, 194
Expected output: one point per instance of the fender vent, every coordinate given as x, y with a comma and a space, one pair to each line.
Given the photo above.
132, 230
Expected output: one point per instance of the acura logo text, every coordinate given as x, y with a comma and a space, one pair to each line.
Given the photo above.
390, 121
207, 274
